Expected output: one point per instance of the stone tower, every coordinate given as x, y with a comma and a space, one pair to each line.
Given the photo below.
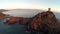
49, 9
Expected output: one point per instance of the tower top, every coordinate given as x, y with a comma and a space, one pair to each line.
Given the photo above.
49, 9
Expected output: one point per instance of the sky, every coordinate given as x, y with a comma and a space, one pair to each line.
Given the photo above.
30, 4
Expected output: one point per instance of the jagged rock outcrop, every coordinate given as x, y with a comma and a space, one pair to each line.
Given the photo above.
44, 22
12, 20
2, 15
19, 20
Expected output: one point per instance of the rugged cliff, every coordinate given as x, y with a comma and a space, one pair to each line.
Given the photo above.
44, 22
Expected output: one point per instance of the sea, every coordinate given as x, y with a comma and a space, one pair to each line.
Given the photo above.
11, 29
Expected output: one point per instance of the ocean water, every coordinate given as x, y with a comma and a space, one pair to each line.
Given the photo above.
11, 29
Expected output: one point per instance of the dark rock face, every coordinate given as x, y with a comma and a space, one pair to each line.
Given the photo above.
44, 22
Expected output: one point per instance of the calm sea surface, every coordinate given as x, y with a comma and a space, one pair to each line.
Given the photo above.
11, 29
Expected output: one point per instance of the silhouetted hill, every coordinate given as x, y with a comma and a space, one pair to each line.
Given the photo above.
3, 10
27, 13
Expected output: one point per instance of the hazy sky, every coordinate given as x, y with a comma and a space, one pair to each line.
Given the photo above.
30, 4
